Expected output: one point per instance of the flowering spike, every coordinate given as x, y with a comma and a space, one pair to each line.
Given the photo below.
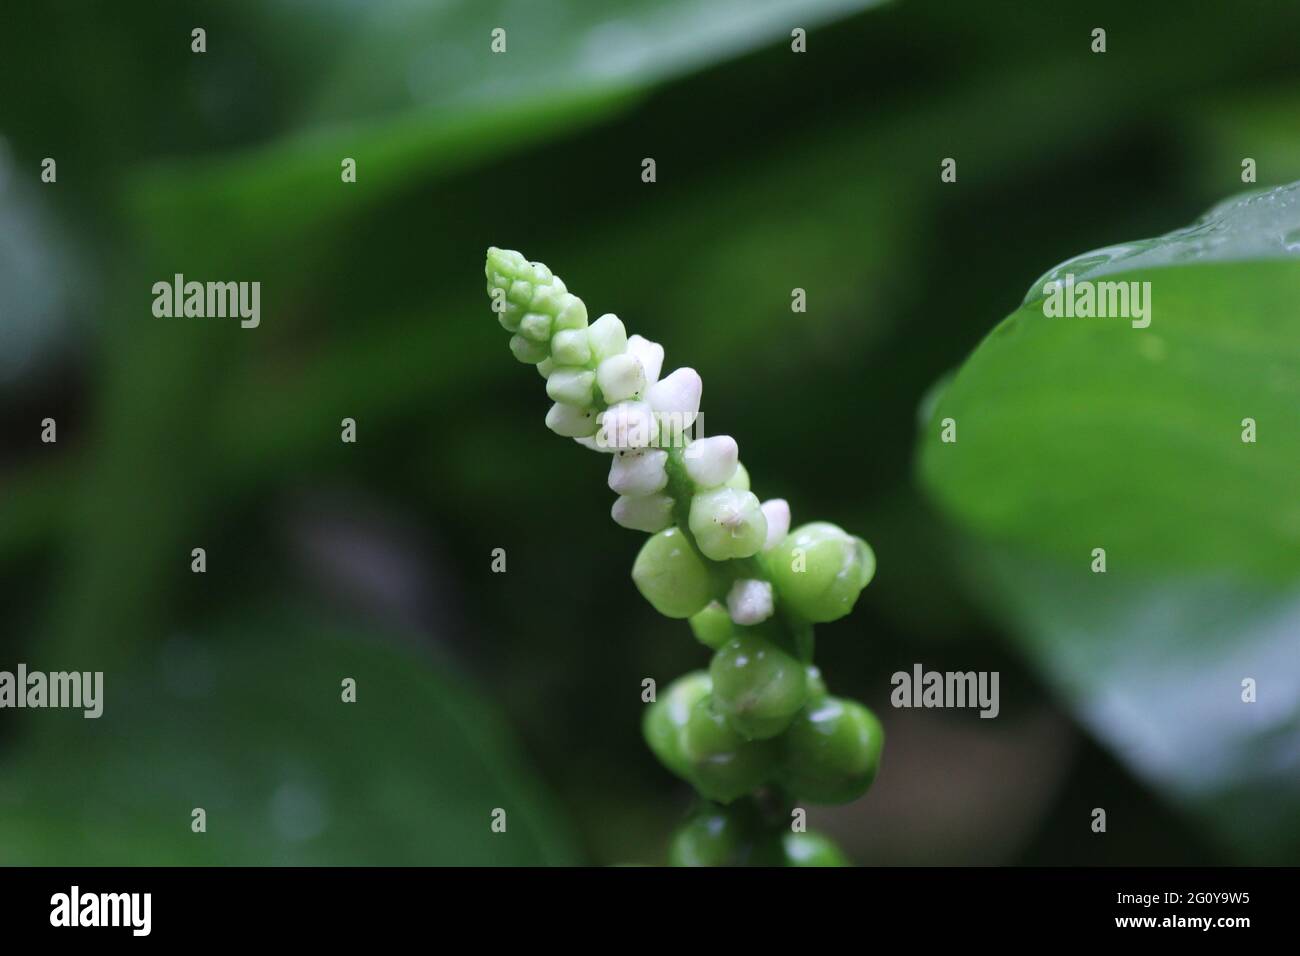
750, 587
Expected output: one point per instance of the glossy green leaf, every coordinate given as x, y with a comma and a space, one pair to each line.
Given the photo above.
1080, 433
1075, 434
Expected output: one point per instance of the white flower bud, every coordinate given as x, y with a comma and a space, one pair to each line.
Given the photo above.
528, 351
593, 442
639, 472
649, 513
571, 421
677, 397
620, 377
571, 386
549, 297
711, 461
628, 425
572, 313
750, 601
649, 354
536, 326
569, 347
607, 337
777, 513
520, 292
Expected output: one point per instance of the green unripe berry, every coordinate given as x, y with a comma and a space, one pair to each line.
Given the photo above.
671, 575
832, 751
727, 523
756, 685
664, 719
571, 386
569, 347
712, 626
526, 350
816, 685
811, 849
724, 765
713, 837
819, 570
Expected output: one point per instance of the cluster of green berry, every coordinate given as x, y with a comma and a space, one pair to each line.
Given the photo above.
760, 718
746, 833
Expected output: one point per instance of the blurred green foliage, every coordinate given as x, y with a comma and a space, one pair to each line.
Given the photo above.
248, 724
776, 171
1153, 665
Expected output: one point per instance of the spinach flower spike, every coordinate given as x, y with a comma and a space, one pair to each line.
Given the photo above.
761, 717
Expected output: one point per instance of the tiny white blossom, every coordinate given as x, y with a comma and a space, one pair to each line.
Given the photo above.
750, 601
571, 421
571, 386
777, 513
711, 461
677, 395
649, 513
639, 472
649, 354
593, 442
628, 425
606, 336
620, 377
